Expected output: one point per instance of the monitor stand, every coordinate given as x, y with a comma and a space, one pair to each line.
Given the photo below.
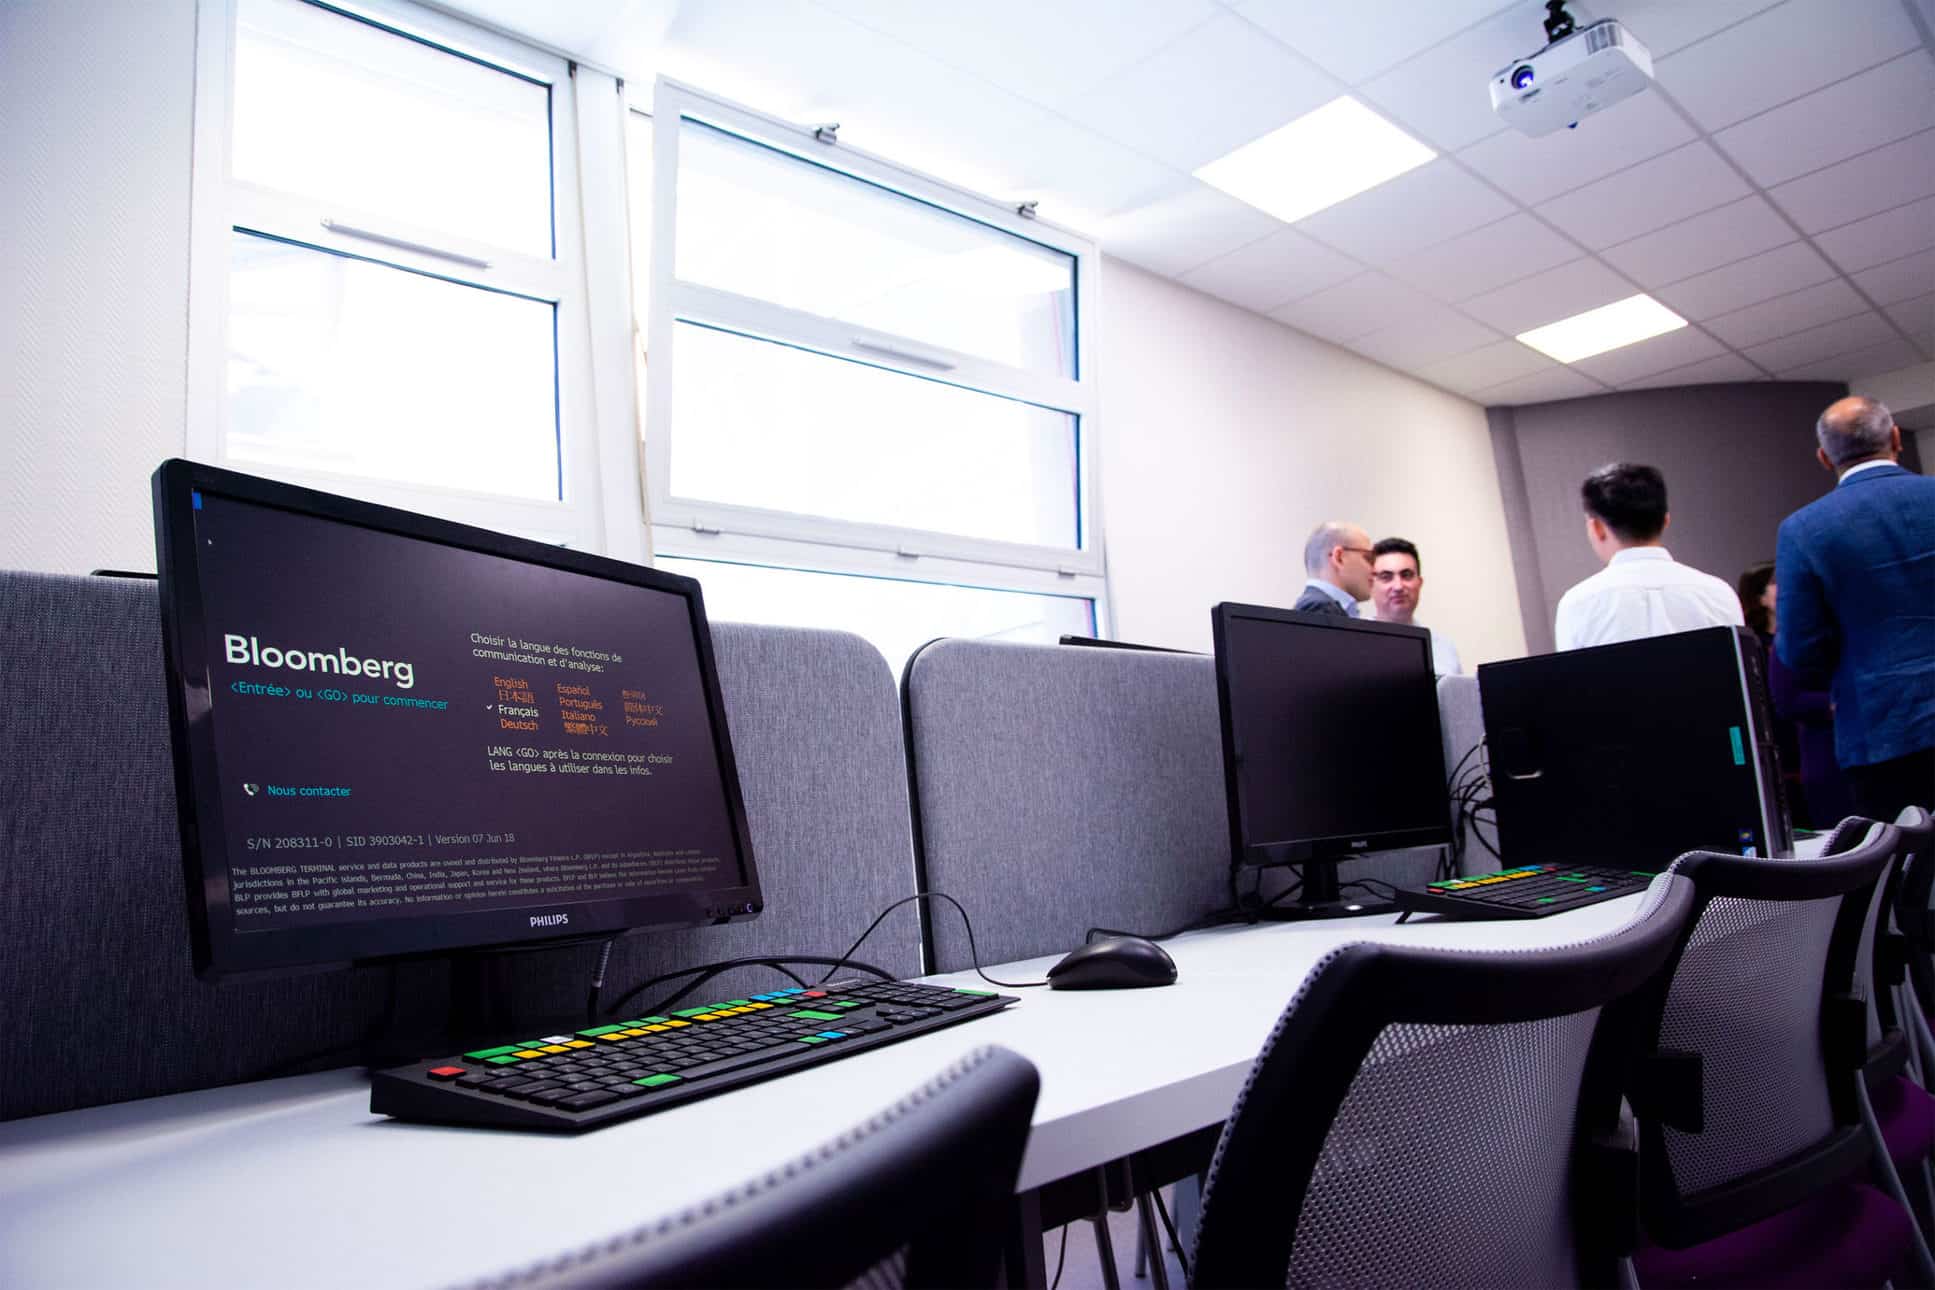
1321, 896
476, 1013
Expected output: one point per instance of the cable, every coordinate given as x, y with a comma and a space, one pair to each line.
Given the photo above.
598, 982
1060, 1258
1216, 918
1163, 1210
706, 971
973, 953
1371, 884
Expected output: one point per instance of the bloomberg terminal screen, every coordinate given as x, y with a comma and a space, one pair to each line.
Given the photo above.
409, 730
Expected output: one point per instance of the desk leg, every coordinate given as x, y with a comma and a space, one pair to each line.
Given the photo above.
1024, 1262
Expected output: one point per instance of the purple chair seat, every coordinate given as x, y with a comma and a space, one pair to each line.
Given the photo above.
1850, 1235
1906, 1114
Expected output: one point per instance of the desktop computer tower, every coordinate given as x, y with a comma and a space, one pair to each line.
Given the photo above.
1633, 753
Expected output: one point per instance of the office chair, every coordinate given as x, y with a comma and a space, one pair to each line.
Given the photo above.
917, 1196
1915, 922
1748, 1092
1433, 1117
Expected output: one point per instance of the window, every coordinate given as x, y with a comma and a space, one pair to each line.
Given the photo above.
868, 405
401, 307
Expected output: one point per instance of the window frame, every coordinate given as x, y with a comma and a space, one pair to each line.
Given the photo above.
594, 443
704, 529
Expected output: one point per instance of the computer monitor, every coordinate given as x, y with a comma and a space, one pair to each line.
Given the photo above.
1630, 754
397, 736
1331, 745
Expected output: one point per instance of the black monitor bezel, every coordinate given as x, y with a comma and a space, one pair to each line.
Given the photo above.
219, 951
1275, 853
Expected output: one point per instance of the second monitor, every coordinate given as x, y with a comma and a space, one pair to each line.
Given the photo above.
1331, 746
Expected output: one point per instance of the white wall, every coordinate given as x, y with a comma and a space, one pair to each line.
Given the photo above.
95, 108
1228, 437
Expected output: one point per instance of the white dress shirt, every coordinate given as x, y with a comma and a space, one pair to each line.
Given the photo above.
1642, 592
1444, 655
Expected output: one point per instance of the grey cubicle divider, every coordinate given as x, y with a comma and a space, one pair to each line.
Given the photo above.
1058, 788
816, 730
97, 991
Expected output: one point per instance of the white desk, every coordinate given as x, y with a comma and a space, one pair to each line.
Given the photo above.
293, 1182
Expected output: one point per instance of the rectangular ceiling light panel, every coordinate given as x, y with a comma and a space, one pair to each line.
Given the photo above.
1613, 326
1339, 150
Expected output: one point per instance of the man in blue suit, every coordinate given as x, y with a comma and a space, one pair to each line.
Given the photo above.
1856, 572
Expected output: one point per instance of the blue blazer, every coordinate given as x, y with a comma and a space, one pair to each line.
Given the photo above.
1856, 572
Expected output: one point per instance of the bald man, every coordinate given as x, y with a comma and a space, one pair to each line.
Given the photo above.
1856, 572
1337, 557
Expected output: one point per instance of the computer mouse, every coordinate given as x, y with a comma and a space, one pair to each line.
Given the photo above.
1114, 963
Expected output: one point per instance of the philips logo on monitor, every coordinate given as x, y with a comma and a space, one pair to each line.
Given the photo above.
550, 920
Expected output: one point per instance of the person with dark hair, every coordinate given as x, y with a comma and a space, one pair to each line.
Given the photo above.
1803, 714
1643, 591
1397, 579
1856, 571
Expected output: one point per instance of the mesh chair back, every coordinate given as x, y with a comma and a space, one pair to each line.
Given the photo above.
917, 1196
1430, 1117
1746, 1102
1913, 893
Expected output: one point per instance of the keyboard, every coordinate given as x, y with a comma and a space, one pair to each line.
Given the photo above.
603, 1074
1527, 891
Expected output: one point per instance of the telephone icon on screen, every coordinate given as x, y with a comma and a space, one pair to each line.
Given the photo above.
251, 789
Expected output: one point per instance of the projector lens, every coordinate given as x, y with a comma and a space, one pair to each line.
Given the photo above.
1521, 77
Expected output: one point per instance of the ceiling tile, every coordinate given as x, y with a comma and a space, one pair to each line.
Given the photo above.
1886, 103
1667, 25
1215, 89
1443, 94
1337, 38
1917, 318
1189, 226
1424, 336
1417, 209
1879, 238
1726, 367
1533, 170
1353, 307
1785, 315
1745, 282
1071, 45
1899, 280
1481, 368
1875, 181
1648, 357
1705, 241
1515, 247
1822, 342
1541, 387
1080, 178
1873, 360
1547, 297
1650, 195
1271, 270
1781, 54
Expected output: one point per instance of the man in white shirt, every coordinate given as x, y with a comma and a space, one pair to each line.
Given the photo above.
1397, 580
1642, 591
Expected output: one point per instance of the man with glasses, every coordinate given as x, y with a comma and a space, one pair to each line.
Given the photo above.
1337, 556
1396, 580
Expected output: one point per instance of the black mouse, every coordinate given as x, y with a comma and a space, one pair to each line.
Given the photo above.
1114, 963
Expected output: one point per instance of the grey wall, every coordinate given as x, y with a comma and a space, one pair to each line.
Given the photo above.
1738, 459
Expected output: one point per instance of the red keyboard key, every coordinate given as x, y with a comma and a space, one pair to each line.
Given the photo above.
447, 1072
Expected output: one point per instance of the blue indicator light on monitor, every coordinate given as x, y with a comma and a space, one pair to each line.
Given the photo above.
195, 495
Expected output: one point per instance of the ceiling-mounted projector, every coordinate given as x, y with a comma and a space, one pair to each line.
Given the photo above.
1580, 72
